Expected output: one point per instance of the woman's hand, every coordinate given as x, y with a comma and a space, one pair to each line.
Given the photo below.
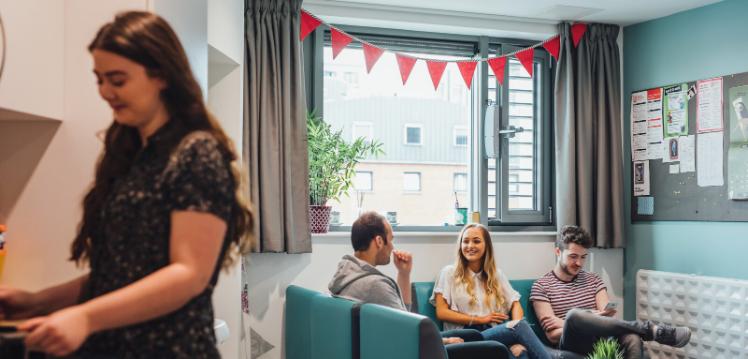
452, 340
492, 318
59, 333
16, 303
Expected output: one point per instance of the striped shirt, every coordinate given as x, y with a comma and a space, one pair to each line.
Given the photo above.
563, 296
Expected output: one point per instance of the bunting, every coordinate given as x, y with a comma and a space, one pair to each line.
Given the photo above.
467, 69
552, 46
577, 30
339, 41
371, 55
525, 58
436, 70
405, 63
308, 24
498, 64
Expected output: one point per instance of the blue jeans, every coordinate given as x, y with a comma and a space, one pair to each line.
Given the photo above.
520, 333
474, 346
583, 328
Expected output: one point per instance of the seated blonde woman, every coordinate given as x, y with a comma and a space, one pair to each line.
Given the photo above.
474, 294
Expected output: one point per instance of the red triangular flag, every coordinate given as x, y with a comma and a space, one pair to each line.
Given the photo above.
467, 69
553, 45
308, 24
497, 64
525, 57
436, 70
371, 55
405, 64
577, 30
339, 41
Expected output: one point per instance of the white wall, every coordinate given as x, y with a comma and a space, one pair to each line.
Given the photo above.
225, 70
520, 256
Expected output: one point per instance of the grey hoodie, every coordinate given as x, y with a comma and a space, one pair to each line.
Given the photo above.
358, 280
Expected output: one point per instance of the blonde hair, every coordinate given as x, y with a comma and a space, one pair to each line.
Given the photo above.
489, 276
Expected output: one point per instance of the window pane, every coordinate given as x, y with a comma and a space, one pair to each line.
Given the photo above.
427, 196
362, 129
461, 136
460, 182
363, 181
522, 148
411, 181
412, 135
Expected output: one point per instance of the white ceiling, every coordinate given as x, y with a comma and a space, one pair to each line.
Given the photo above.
621, 12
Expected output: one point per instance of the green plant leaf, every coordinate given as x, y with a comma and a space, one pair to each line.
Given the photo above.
606, 348
332, 160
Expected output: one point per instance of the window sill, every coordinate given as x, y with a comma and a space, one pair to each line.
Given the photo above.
445, 236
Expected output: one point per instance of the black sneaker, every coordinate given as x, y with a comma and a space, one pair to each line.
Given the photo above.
676, 337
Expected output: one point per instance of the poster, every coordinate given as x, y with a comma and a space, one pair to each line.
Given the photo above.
687, 153
709, 105
675, 110
709, 159
641, 178
737, 151
654, 124
639, 126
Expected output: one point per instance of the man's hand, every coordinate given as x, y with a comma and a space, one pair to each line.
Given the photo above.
403, 261
517, 349
550, 323
606, 312
452, 340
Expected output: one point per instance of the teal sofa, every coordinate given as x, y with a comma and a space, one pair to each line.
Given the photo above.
421, 292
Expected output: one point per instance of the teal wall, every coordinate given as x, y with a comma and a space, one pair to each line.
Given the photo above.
688, 46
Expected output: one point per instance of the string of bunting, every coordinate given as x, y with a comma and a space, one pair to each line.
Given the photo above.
340, 39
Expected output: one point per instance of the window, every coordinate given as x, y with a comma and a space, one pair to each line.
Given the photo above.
460, 136
460, 182
363, 181
413, 134
524, 162
412, 182
435, 135
362, 129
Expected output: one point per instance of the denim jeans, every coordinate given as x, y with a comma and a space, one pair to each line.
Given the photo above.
474, 346
520, 333
583, 328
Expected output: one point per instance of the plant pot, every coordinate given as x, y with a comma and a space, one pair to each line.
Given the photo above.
319, 218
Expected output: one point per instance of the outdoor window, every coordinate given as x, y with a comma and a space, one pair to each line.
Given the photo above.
363, 181
413, 134
461, 136
362, 129
460, 182
433, 138
411, 182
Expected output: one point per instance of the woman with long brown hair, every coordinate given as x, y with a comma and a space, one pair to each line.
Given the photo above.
164, 215
474, 293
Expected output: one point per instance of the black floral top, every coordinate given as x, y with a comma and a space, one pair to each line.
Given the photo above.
133, 242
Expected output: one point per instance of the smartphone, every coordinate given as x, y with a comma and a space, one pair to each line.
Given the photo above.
611, 306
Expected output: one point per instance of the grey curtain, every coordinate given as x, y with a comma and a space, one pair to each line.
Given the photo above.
275, 137
588, 130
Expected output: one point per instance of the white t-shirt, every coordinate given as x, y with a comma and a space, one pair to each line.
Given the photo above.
458, 299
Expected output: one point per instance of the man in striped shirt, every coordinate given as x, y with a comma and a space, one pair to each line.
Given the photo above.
572, 305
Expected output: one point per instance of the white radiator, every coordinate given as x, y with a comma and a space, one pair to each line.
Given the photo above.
716, 310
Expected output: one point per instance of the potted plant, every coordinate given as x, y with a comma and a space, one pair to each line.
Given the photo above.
332, 162
606, 348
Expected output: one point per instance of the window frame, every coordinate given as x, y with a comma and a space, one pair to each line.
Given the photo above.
313, 60
413, 191
454, 135
368, 124
371, 182
454, 182
407, 126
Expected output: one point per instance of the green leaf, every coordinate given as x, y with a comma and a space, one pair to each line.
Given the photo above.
332, 160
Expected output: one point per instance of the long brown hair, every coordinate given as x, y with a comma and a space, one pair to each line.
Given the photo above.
148, 40
489, 276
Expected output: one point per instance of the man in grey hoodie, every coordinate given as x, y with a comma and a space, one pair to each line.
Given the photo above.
359, 280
